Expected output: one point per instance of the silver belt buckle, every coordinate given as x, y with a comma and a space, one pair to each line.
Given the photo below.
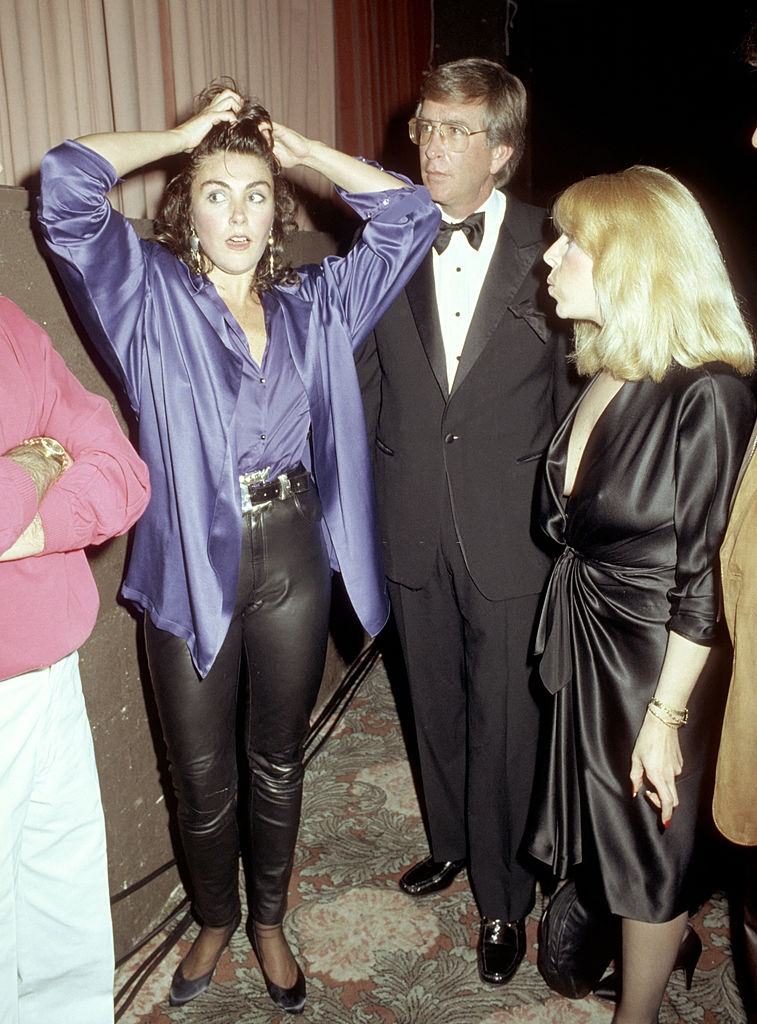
252, 479
285, 486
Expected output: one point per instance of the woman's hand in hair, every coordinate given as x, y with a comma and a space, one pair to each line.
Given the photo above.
289, 147
127, 151
223, 107
292, 149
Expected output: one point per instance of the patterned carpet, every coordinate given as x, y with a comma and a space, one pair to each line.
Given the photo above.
374, 956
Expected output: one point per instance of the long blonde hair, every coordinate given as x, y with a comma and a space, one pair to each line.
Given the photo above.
662, 288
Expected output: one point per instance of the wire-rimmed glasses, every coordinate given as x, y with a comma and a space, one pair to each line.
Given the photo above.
452, 135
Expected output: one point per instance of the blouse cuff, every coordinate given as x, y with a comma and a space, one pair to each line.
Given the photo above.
394, 202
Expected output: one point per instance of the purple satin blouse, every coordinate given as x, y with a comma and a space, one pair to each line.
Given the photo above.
272, 418
165, 337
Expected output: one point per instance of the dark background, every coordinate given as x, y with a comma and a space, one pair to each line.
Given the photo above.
613, 83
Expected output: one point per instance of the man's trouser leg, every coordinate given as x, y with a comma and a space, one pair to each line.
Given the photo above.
467, 661
56, 943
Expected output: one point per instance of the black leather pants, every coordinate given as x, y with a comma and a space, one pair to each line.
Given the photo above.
281, 621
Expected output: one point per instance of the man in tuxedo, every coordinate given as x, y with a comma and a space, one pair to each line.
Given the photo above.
465, 382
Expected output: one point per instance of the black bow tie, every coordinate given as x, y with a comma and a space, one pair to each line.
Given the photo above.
472, 227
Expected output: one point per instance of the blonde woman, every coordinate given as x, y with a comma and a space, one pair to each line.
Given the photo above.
636, 489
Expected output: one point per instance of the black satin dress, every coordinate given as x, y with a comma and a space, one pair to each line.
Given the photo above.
640, 535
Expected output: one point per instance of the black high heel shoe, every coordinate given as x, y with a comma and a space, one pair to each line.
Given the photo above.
184, 990
689, 953
292, 999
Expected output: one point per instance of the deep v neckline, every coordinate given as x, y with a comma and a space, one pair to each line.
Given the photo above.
589, 438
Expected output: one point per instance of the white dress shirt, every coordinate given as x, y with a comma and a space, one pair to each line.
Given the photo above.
459, 273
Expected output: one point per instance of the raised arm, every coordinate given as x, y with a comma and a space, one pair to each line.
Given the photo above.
126, 151
346, 172
401, 223
99, 256
102, 261
400, 226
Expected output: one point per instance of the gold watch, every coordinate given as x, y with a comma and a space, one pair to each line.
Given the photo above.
51, 449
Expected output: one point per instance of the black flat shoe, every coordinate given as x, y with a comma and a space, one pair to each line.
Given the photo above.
184, 990
292, 999
501, 947
429, 876
689, 953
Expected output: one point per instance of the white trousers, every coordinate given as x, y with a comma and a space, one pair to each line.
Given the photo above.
56, 940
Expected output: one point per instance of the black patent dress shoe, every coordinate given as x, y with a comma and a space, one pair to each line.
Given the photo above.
430, 875
501, 947
184, 990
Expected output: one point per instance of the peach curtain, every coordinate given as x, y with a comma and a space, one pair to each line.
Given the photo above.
70, 67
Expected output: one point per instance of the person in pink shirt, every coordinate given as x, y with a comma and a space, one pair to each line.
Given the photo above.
68, 478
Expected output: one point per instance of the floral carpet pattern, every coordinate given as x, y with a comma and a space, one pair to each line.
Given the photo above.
373, 955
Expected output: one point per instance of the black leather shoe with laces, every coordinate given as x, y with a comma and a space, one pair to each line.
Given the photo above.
501, 947
430, 875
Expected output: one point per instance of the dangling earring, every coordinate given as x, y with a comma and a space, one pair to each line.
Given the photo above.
194, 253
271, 265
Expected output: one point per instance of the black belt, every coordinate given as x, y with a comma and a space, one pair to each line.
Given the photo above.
293, 481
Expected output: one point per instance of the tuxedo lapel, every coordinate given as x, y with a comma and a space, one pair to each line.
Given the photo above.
421, 295
513, 257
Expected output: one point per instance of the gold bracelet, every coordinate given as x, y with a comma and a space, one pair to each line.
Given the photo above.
681, 715
671, 724
661, 718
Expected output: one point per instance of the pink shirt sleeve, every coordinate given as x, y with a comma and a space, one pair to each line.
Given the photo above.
107, 488
18, 502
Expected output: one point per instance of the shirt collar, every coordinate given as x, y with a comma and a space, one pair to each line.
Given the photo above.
493, 203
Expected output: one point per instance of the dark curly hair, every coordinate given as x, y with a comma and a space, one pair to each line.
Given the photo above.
246, 135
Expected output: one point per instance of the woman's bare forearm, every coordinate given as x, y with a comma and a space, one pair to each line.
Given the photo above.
127, 151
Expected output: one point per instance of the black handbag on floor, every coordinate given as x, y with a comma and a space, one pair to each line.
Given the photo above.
576, 943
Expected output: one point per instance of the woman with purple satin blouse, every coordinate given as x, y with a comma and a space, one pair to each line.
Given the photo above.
241, 374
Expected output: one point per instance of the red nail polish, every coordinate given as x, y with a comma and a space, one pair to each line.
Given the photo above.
666, 823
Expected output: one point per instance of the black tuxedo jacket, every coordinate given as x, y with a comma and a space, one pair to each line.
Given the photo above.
480, 443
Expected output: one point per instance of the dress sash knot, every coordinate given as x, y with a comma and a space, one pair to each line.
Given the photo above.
553, 636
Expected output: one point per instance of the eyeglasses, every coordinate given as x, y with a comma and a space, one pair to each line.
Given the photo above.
454, 136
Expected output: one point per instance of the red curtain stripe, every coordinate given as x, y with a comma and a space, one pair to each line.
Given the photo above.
382, 50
